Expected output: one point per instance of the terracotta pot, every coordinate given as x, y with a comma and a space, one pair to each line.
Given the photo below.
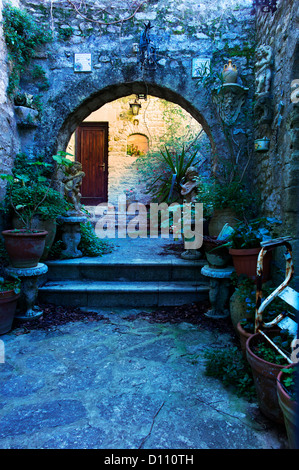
41, 225
264, 375
24, 248
289, 409
8, 304
243, 335
245, 262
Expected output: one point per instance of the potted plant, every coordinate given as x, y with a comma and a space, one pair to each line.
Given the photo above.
223, 201
245, 325
244, 246
31, 196
9, 294
266, 362
287, 399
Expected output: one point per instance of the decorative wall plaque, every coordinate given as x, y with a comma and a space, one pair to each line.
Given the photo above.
200, 67
82, 62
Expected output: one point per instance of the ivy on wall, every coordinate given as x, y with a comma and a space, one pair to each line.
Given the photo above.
23, 36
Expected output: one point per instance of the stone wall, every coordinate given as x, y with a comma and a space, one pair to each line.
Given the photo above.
214, 29
9, 140
277, 170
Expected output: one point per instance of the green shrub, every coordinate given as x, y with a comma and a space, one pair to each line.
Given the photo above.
90, 244
229, 366
22, 36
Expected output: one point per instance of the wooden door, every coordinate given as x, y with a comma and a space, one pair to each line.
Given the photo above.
92, 151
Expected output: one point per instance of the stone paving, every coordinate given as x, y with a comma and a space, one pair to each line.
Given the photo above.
122, 384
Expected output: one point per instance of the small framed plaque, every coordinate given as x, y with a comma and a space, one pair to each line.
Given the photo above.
82, 63
200, 67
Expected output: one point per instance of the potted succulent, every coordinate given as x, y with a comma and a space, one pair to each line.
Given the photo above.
9, 294
266, 361
244, 245
287, 399
31, 197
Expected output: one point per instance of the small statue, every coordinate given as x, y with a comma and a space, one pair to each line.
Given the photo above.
189, 189
72, 182
263, 69
189, 193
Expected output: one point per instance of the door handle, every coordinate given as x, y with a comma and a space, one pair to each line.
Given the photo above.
103, 165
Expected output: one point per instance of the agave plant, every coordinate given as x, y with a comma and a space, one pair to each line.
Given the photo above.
167, 186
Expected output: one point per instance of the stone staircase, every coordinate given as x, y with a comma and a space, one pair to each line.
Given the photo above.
103, 282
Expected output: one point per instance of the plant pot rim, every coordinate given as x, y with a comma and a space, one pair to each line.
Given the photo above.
280, 387
240, 328
8, 294
244, 251
24, 233
249, 350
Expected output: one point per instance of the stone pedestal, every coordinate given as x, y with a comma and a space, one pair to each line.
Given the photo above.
219, 290
26, 309
71, 235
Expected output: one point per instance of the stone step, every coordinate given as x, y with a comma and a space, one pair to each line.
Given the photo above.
99, 269
121, 294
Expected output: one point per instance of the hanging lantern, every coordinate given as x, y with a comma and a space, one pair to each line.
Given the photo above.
135, 107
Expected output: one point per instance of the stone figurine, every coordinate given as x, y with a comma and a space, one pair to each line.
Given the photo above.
189, 189
72, 183
263, 69
189, 193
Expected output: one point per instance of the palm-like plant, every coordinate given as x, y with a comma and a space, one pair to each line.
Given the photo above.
167, 186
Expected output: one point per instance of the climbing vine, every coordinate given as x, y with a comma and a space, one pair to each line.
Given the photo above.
22, 36
106, 14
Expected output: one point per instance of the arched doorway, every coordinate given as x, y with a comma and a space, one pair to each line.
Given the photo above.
129, 143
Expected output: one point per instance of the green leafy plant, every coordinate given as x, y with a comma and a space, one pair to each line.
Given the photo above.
23, 36
289, 381
229, 366
30, 191
166, 187
214, 194
249, 234
247, 292
268, 353
39, 74
8, 283
90, 244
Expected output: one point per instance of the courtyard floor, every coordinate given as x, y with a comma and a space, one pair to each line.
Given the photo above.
119, 379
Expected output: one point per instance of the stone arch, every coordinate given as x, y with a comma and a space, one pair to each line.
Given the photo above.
70, 104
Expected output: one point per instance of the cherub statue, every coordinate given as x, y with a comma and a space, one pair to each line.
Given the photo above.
189, 193
189, 189
72, 182
263, 69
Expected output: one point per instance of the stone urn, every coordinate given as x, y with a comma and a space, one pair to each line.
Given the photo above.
71, 234
229, 73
